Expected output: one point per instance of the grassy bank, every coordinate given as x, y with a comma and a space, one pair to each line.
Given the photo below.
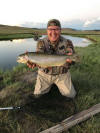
15, 36
50, 109
16, 32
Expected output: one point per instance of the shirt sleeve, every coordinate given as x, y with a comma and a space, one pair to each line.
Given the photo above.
40, 46
70, 45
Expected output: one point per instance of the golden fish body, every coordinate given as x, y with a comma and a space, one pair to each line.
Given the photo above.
46, 60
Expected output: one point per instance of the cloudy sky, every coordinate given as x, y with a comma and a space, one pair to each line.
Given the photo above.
78, 14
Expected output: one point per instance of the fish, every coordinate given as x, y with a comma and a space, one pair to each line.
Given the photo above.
46, 60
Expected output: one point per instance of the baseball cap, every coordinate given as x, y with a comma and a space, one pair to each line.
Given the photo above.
54, 22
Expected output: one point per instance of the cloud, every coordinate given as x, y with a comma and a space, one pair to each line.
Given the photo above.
89, 22
78, 24
98, 18
33, 25
92, 24
74, 24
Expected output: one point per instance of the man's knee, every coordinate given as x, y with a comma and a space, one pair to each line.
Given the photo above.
70, 94
41, 91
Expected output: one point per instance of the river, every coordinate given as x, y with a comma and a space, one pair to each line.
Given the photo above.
9, 50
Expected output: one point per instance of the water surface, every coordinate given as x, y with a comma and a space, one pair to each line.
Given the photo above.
9, 50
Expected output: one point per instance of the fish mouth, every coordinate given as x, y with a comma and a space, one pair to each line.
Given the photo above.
22, 60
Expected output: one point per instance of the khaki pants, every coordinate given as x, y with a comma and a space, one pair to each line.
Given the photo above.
63, 82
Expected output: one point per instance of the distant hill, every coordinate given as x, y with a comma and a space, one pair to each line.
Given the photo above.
6, 29
74, 31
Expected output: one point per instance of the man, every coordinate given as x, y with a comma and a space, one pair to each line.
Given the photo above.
54, 43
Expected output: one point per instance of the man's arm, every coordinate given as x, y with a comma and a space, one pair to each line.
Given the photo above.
39, 48
69, 50
70, 47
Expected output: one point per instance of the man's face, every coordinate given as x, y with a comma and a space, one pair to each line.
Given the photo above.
53, 33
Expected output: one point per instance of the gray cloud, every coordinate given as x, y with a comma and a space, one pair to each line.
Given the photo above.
34, 25
74, 24
92, 24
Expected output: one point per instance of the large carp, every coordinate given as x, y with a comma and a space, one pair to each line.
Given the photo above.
46, 60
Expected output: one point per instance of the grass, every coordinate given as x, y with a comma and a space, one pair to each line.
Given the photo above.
51, 108
15, 36
16, 32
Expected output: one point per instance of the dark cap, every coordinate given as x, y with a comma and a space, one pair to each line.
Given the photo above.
54, 22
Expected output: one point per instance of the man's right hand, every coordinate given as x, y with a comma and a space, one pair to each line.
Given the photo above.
31, 65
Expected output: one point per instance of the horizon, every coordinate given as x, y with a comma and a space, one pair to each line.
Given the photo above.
46, 28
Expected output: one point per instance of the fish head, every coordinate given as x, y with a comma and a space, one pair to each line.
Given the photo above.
22, 59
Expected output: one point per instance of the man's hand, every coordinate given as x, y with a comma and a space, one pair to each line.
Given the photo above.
69, 52
31, 65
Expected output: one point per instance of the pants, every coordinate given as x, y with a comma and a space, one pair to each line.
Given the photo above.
63, 82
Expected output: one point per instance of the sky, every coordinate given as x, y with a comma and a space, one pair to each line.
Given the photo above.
78, 14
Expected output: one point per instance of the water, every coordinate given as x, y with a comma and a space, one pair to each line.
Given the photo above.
9, 50
78, 41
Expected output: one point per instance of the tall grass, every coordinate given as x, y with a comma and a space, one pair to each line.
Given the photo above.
39, 114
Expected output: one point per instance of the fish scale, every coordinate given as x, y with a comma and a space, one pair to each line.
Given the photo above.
46, 60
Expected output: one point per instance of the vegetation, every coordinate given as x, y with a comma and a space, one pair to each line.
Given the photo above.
70, 31
15, 36
15, 32
39, 114
5, 30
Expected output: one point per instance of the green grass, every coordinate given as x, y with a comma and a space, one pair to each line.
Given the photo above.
15, 36
16, 32
51, 108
